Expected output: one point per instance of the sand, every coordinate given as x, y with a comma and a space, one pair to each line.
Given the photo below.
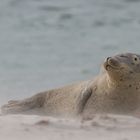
99, 127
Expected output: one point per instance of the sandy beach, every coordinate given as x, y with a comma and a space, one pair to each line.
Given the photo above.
100, 127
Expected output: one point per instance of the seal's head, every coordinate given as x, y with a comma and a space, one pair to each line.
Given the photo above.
123, 67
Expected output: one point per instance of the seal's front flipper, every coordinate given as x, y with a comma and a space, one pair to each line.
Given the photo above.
82, 100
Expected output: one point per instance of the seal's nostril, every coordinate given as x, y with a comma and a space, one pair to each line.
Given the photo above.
108, 58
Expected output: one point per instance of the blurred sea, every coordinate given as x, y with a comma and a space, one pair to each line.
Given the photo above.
49, 43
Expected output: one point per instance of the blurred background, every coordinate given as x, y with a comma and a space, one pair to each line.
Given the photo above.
50, 43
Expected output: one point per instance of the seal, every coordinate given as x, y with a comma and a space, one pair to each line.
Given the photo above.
115, 90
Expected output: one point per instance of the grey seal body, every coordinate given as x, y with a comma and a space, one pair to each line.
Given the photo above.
65, 101
115, 90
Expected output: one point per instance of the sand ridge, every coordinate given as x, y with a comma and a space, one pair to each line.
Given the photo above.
101, 127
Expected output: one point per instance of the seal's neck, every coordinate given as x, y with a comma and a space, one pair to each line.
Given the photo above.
133, 84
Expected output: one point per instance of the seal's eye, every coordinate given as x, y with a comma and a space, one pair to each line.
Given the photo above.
136, 59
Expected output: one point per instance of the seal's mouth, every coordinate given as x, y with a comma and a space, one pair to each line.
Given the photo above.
108, 66
111, 64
